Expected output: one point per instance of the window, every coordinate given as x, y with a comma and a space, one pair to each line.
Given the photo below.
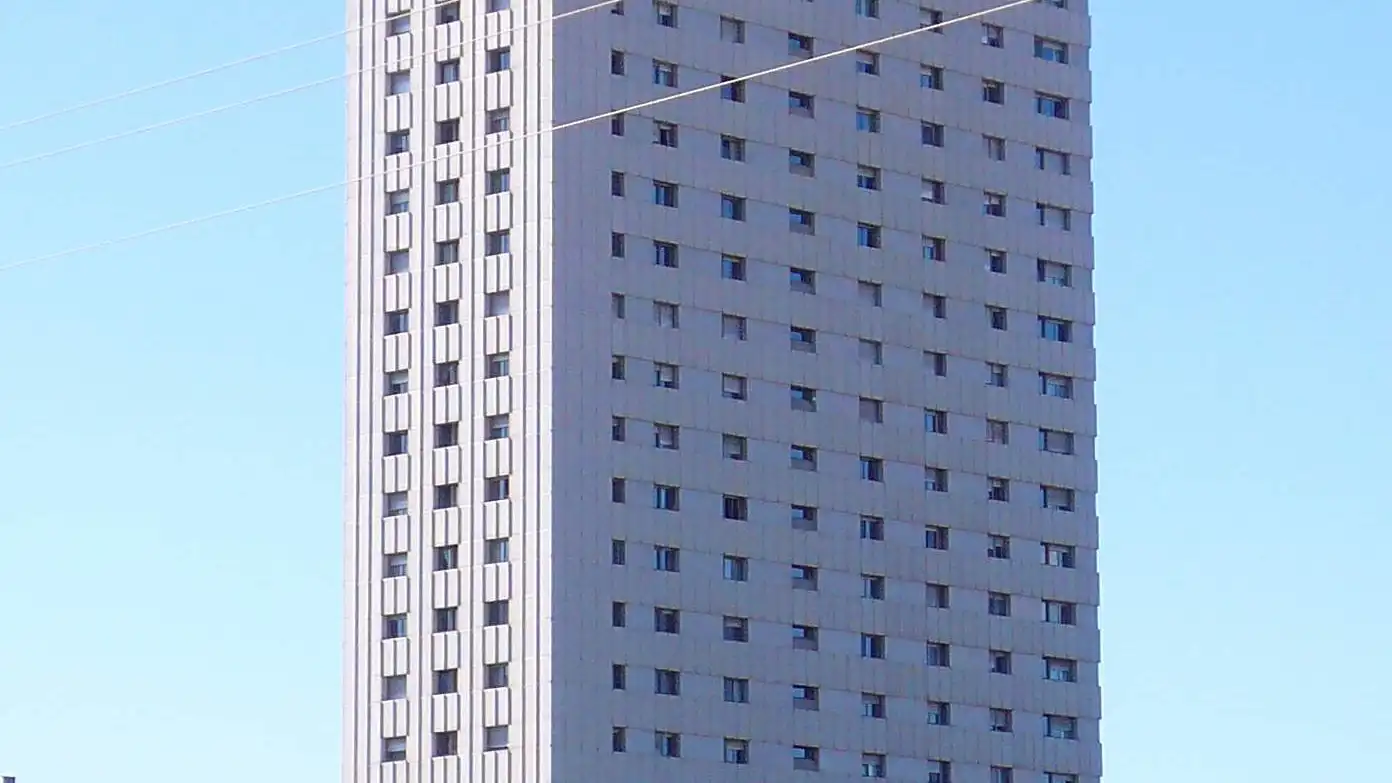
799, 45
935, 479
937, 596
616, 125
938, 654
933, 191
736, 690
868, 235
1054, 273
617, 63
398, 142
1000, 662
993, 91
938, 361
867, 63
447, 12
495, 550
495, 488
1060, 669
993, 204
446, 495
394, 749
1060, 555
396, 382
805, 518
801, 104
495, 365
1055, 106
1057, 498
939, 772
495, 738
618, 614
497, 121
932, 134
872, 587
867, 120
736, 751
935, 421
619, 740
735, 447
446, 620
667, 682
446, 252
446, 131
732, 148
872, 528
665, 254
497, 181
732, 267
668, 744
871, 410
934, 249
617, 184
666, 558
731, 207
736, 569
731, 29
1052, 161
998, 431
1049, 50
806, 697
800, 221
735, 507
995, 147
731, 90
993, 35
734, 387
998, 547
1060, 727
806, 757
397, 261
394, 687
446, 313
1056, 330
869, 8
802, 280
495, 675
446, 435
871, 469
930, 77
666, 620
666, 436
997, 375
802, 339
939, 713
666, 498
666, 376
1060, 613
664, 194
872, 645
734, 327
667, 315
393, 626
666, 13
447, 71
996, 261
394, 565
870, 293
496, 243
998, 489
872, 351
446, 558
802, 163
805, 637
803, 457
618, 551
1055, 441
736, 629
1051, 385
664, 74
872, 705
867, 178
394, 443
398, 202
998, 604
446, 374
930, 17
398, 82
399, 23
935, 537
997, 317
804, 577
872, 765
1050, 216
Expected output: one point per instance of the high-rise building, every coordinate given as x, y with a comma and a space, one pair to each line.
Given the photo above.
746, 437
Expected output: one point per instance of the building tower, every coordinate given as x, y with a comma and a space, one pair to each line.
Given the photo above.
746, 437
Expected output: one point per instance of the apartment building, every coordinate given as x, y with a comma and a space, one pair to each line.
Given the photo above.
743, 437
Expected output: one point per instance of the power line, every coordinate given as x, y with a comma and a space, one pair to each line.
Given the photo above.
9, 164
511, 139
217, 69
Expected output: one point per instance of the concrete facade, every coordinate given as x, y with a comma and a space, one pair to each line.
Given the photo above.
791, 479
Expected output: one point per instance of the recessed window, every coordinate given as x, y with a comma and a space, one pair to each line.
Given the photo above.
930, 77
732, 148
800, 45
398, 82
932, 134
731, 29
867, 120
802, 163
801, 104
867, 63
867, 178
497, 181
732, 267
447, 72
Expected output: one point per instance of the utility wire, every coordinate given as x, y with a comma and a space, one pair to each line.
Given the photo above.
9, 164
509, 140
188, 77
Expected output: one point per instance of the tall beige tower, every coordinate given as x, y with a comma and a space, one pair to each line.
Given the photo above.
748, 437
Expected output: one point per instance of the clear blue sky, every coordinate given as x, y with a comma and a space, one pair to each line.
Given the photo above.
170, 410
